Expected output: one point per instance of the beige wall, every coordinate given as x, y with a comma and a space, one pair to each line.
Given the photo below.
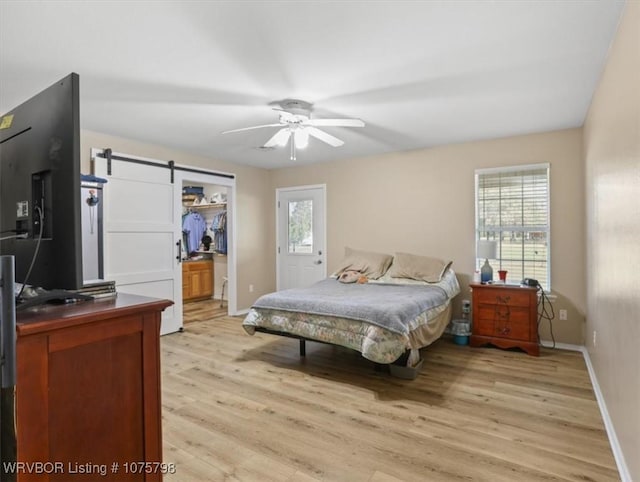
423, 202
254, 210
612, 154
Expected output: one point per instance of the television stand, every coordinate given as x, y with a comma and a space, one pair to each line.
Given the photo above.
59, 297
90, 371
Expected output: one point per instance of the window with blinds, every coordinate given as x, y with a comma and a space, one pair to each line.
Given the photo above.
512, 208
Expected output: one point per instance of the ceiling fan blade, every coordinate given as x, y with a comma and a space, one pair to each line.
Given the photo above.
253, 127
280, 138
334, 123
324, 137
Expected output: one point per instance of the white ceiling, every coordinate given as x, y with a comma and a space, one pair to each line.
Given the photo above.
419, 73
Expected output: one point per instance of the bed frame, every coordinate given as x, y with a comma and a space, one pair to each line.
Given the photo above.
303, 347
303, 340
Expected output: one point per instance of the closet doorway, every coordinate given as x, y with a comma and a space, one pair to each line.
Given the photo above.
206, 220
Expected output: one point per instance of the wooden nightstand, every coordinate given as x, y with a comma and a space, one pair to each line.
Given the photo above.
505, 316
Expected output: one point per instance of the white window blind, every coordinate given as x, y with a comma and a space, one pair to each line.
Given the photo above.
512, 208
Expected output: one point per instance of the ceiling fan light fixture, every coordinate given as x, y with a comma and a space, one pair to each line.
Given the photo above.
301, 138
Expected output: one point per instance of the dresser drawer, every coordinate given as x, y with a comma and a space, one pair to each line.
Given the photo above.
200, 265
511, 297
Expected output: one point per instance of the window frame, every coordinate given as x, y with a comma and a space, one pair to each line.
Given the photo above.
504, 170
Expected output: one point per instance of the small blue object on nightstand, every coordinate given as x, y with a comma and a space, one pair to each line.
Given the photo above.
488, 250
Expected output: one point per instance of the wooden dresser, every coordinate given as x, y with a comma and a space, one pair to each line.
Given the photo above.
197, 280
505, 316
88, 387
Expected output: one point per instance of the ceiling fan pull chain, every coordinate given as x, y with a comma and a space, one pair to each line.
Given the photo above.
293, 148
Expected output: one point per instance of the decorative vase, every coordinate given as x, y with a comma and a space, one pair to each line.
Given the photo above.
486, 273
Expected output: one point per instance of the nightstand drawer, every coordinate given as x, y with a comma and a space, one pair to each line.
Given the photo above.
503, 321
511, 297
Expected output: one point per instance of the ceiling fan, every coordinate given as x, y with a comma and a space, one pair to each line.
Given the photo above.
297, 125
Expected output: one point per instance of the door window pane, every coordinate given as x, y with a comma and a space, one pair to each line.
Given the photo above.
300, 226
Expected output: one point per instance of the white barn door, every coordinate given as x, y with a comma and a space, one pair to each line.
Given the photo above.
141, 230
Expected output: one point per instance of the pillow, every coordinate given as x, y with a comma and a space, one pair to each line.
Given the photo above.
416, 267
372, 265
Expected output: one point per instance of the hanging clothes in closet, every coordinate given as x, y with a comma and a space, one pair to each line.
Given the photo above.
219, 228
193, 227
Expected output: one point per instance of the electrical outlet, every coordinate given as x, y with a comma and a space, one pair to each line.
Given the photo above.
563, 315
594, 337
250, 288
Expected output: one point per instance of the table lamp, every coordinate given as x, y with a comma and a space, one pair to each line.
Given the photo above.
487, 250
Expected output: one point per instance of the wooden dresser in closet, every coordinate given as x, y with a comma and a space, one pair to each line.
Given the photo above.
197, 280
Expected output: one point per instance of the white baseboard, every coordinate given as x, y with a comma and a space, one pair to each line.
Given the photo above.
562, 346
623, 469
240, 312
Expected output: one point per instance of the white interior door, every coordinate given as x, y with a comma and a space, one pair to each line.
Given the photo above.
140, 234
301, 237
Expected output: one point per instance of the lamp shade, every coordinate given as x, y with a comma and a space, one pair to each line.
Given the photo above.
487, 249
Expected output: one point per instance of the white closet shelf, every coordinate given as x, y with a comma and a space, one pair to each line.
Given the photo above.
205, 206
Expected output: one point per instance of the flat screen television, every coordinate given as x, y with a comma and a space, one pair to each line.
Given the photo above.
40, 218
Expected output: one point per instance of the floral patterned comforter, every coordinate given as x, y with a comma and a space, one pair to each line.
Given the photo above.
375, 343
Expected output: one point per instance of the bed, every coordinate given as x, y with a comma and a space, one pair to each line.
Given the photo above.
386, 319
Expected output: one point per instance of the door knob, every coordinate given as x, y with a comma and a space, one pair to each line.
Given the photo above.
318, 262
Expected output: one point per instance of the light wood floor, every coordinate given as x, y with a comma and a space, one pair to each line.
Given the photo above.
203, 310
244, 408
